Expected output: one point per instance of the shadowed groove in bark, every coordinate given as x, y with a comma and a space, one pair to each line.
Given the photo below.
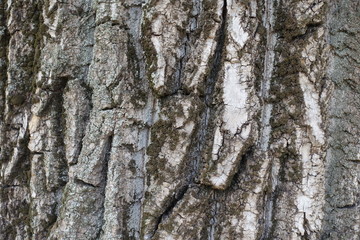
241, 168
107, 152
59, 127
269, 202
268, 22
209, 92
217, 59
85, 119
134, 25
82, 182
214, 215
215, 68
179, 71
200, 137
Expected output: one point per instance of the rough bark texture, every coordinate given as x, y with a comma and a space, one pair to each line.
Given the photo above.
186, 119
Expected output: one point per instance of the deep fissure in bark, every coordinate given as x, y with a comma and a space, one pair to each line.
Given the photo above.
241, 168
268, 65
216, 64
82, 182
217, 59
214, 215
107, 153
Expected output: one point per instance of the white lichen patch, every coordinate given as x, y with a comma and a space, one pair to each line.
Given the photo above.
313, 112
236, 30
235, 96
218, 142
158, 77
34, 124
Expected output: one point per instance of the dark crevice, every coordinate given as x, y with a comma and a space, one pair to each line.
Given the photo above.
306, 226
216, 62
310, 28
357, 161
82, 182
241, 168
269, 196
106, 159
181, 92
203, 133
166, 213
20, 163
107, 108
88, 33
183, 58
268, 232
37, 153
268, 211
215, 65
7, 147
10, 186
214, 215
85, 119
349, 206
58, 125
107, 150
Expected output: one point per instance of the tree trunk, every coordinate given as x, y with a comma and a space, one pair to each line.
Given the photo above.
186, 119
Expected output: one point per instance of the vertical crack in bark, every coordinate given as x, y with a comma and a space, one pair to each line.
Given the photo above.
60, 127
89, 26
134, 221
267, 108
179, 71
214, 216
184, 54
267, 75
268, 218
209, 92
107, 153
82, 182
217, 60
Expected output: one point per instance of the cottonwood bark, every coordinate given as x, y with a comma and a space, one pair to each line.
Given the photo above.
186, 119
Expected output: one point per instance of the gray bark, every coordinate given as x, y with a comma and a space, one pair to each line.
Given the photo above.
187, 119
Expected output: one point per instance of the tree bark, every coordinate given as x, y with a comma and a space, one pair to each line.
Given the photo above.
187, 119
